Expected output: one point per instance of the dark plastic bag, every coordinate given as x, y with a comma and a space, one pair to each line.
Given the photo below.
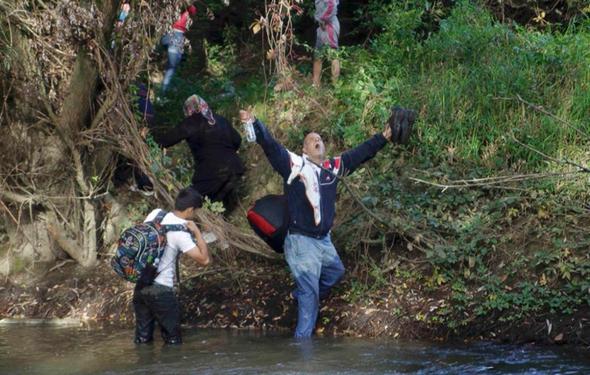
401, 122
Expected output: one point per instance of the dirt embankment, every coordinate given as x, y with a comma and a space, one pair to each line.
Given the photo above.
256, 295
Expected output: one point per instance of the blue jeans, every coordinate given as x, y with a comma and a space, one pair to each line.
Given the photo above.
175, 45
316, 268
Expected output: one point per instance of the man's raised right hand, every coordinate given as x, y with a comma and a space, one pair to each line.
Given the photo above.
245, 116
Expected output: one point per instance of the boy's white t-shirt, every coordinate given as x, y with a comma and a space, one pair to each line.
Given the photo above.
176, 241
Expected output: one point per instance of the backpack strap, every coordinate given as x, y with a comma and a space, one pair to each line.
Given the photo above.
175, 228
178, 271
169, 227
160, 216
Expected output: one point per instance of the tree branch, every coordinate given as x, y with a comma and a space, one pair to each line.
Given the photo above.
492, 182
71, 247
542, 110
19, 198
582, 168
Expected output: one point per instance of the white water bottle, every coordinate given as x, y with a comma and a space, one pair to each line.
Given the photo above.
249, 130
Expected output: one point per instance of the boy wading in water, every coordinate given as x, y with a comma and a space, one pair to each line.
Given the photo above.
311, 196
158, 302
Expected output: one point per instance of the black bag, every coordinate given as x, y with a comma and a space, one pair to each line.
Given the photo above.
269, 217
401, 122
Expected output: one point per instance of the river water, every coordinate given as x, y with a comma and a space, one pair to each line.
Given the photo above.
50, 350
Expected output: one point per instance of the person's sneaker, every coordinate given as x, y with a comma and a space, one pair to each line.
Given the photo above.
142, 340
146, 193
174, 341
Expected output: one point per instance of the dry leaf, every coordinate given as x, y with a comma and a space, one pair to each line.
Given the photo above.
256, 27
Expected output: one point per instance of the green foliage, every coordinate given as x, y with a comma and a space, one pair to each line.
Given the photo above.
507, 253
215, 207
158, 157
221, 59
137, 211
7, 51
357, 292
466, 79
465, 73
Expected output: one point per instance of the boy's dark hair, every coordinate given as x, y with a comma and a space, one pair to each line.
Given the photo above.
187, 198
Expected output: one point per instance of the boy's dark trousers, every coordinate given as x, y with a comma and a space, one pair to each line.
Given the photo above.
156, 303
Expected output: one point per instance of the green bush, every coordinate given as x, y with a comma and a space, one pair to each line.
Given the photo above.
508, 252
466, 79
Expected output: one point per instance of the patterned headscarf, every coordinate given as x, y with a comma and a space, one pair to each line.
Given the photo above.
194, 104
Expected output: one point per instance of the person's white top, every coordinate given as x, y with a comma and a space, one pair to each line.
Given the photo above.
176, 241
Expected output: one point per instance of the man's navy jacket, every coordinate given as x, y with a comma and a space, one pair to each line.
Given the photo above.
301, 218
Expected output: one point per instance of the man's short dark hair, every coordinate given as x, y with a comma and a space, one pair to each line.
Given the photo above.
187, 198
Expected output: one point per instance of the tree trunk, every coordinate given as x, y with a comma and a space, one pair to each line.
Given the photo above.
66, 113
54, 186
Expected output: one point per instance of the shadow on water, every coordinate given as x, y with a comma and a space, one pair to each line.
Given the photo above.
47, 350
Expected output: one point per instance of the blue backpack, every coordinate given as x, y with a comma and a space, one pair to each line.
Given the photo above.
140, 249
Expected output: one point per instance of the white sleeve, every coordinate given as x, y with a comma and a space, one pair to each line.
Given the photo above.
152, 215
181, 241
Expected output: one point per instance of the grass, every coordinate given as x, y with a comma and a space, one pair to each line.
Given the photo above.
508, 252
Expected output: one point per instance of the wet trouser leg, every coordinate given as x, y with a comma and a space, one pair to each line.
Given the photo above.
332, 267
316, 267
165, 309
144, 319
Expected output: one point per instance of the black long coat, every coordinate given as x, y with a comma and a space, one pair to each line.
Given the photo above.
214, 149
